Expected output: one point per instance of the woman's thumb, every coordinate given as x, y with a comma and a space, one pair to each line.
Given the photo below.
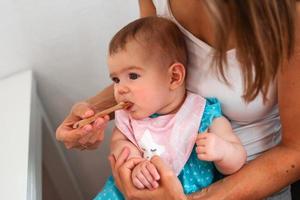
82, 110
161, 167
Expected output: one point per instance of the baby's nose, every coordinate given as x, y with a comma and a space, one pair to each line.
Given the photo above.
122, 89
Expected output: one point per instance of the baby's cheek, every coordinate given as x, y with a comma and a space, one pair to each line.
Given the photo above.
146, 97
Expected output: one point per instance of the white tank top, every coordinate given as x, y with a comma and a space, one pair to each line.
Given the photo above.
257, 124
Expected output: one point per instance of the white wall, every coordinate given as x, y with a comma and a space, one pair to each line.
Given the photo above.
64, 42
20, 146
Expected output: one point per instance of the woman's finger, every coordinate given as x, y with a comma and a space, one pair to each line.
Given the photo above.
169, 182
125, 171
79, 111
161, 167
82, 110
70, 145
95, 145
70, 136
112, 162
99, 127
120, 160
123, 174
96, 130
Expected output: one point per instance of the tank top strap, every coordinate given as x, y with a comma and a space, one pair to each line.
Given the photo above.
162, 8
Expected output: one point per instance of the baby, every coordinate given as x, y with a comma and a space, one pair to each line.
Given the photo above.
147, 60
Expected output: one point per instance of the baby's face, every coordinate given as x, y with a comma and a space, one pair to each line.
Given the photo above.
140, 80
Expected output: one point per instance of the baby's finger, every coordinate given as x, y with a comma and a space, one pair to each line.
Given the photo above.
202, 156
147, 175
201, 142
137, 183
200, 150
143, 180
202, 136
153, 171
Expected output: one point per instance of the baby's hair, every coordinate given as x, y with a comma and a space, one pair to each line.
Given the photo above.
158, 35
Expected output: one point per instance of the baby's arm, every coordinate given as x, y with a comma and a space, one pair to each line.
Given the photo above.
221, 146
119, 141
144, 173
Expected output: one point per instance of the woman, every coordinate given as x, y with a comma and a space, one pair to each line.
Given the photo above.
255, 76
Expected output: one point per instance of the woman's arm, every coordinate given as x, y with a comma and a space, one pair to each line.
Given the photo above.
103, 99
280, 166
147, 8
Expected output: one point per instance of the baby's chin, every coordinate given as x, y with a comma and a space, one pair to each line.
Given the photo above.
138, 116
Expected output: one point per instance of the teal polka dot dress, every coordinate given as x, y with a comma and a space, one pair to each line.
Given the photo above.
195, 175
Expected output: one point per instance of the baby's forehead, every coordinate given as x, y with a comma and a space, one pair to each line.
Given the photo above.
139, 49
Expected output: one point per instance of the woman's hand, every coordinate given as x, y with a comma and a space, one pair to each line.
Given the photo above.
87, 137
169, 186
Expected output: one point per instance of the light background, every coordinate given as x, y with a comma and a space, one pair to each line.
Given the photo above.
64, 42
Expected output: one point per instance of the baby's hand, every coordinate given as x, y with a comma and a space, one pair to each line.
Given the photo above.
144, 175
210, 147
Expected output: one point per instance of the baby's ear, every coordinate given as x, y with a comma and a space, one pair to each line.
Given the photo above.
177, 75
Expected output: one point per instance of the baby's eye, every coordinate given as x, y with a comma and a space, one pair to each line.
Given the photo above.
133, 76
115, 79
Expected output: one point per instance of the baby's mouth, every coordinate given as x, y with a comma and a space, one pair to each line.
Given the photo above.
128, 105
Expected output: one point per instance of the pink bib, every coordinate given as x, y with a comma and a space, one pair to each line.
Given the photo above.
171, 137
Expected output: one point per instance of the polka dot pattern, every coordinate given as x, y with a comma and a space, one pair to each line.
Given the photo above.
195, 175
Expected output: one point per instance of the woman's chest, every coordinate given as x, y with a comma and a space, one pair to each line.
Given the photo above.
193, 16
202, 79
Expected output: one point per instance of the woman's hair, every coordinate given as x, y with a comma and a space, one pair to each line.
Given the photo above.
159, 36
263, 32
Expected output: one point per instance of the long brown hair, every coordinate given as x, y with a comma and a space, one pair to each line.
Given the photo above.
264, 35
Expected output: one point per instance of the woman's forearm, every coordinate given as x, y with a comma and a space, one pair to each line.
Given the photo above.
260, 178
103, 99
